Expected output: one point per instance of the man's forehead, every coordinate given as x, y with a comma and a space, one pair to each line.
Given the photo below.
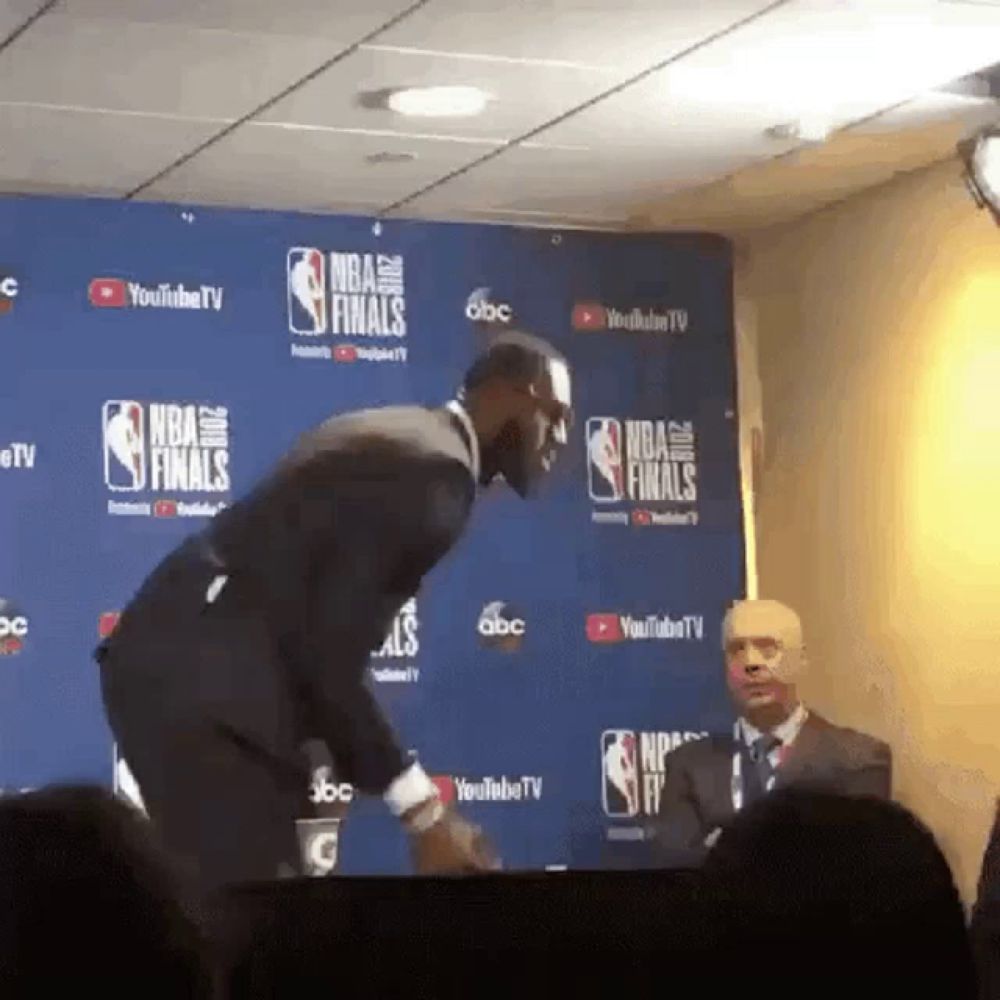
762, 620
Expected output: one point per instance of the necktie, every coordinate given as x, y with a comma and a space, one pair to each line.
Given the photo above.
758, 770
760, 754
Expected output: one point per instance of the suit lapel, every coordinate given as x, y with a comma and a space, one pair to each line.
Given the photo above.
711, 777
802, 754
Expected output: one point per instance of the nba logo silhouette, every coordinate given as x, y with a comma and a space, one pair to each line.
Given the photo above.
604, 459
124, 429
619, 774
306, 291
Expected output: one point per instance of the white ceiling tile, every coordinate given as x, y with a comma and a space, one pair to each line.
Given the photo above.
346, 20
175, 71
147, 67
87, 152
642, 117
843, 61
14, 13
524, 96
557, 181
623, 37
835, 61
268, 165
536, 176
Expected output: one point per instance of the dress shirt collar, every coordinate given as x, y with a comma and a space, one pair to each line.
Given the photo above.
786, 732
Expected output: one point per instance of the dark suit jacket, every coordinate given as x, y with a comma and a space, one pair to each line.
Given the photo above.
697, 792
319, 556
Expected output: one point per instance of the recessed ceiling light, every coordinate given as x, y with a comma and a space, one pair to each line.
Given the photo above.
438, 102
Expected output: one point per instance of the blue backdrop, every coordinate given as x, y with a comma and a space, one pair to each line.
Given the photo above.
158, 360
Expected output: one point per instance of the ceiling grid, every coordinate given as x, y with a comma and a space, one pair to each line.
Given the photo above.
663, 113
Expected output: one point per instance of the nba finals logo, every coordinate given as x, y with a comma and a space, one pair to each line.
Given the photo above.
395, 658
647, 467
152, 449
604, 459
339, 295
633, 769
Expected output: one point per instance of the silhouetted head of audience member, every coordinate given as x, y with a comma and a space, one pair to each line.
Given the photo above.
850, 890
88, 900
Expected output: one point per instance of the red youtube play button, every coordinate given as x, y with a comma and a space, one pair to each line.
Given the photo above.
107, 623
589, 316
604, 627
345, 352
445, 787
107, 293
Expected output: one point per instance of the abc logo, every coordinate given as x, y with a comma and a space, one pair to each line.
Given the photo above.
480, 308
8, 287
324, 791
501, 627
16, 627
488, 312
13, 628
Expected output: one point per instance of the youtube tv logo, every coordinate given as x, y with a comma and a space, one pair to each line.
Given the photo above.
108, 293
107, 623
165, 508
445, 787
589, 316
345, 353
604, 627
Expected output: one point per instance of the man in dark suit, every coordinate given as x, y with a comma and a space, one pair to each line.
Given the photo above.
776, 741
253, 637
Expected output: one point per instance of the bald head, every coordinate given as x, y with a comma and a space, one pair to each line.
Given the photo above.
762, 619
764, 659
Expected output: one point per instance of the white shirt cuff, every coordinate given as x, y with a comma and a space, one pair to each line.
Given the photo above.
408, 790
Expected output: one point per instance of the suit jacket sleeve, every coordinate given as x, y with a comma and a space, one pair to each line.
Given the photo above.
678, 835
393, 519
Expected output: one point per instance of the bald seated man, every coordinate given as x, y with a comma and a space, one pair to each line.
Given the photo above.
776, 742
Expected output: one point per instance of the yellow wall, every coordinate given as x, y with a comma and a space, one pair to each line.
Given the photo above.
878, 517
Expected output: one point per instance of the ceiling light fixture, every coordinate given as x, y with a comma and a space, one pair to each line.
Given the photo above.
981, 157
438, 102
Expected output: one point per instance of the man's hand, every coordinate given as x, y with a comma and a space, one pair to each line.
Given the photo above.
452, 846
